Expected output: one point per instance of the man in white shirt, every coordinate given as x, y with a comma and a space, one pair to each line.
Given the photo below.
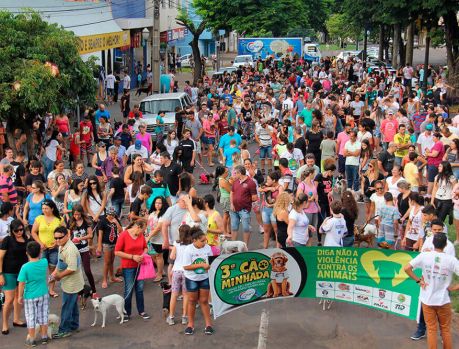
110, 81
352, 155
425, 140
287, 104
126, 81
437, 273
407, 76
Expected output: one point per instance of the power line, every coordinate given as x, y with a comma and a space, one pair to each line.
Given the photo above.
65, 8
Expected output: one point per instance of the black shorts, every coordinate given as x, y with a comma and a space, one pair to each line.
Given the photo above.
158, 248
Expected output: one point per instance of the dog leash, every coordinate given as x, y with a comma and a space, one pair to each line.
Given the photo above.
133, 284
202, 167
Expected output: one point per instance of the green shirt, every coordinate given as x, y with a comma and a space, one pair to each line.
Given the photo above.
33, 274
307, 115
231, 117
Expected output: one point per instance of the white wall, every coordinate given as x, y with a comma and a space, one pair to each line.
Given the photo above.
166, 15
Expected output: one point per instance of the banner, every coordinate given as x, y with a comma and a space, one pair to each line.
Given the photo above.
369, 277
99, 42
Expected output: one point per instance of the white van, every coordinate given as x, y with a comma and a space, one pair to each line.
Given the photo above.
167, 102
312, 52
243, 60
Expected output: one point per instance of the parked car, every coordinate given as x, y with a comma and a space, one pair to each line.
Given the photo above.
377, 62
243, 60
217, 74
167, 102
185, 60
344, 55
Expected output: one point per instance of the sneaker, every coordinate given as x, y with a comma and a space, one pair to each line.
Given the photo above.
60, 335
145, 316
126, 318
44, 340
419, 334
30, 342
170, 320
184, 320
209, 330
189, 331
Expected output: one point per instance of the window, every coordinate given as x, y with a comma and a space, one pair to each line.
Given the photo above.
170, 3
154, 107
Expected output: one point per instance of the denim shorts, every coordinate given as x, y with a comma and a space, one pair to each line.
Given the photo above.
267, 215
208, 140
432, 171
51, 256
240, 216
266, 152
195, 286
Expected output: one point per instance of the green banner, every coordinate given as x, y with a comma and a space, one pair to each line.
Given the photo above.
369, 277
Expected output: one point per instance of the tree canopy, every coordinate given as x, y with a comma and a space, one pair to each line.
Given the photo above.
41, 69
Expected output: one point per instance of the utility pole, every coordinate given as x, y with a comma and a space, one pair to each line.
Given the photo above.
155, 42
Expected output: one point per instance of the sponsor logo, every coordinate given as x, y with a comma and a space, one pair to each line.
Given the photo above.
247, 294
344, 287
324, 284
362, 289
401, 298
382, 304
382, 293
343, 296
361, 298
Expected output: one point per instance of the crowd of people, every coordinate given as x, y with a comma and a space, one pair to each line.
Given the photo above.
299, 146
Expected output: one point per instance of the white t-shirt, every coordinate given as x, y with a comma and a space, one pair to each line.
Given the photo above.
437, 270
334, 229
352, 147
300, 230
127, 82
190, 222
51, 150
445, 188
378, 201
416, 230
110, 81
425, 142
293, 159
357, 106
428, 246
179, 255
392, 187
193, 255
5, 227
287, 104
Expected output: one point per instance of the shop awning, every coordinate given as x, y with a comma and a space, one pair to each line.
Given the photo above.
91, 21
134, 23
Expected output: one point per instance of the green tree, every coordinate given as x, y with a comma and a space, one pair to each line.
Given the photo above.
41, 71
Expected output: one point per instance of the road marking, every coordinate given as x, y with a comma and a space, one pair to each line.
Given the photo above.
263, 332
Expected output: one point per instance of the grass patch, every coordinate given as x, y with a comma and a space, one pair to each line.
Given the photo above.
454, 295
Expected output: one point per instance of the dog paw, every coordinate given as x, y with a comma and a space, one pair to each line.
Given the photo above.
94, 324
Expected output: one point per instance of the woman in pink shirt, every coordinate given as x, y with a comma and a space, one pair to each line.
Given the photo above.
434, 158
389, 127
208, 126
144, 137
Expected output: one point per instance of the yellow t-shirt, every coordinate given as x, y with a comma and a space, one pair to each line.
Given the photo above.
46, 231
212, 239
401, 140
410, 172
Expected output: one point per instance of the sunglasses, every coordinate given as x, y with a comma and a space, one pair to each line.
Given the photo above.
18, 230
379, 188
59, 237
92, 183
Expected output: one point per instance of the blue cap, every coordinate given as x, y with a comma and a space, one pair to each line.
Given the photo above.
138, 144
429, 127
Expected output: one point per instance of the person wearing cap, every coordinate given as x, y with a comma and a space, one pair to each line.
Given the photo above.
389, 128
120, 148
430, 120
425, 140
136, 148
226, 139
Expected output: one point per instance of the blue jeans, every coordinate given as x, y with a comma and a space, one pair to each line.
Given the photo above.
118, 205
352, 177
130, 284
242, 216
70, 315
48, 166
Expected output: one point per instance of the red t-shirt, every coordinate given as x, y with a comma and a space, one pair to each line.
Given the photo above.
438, 159
86, 130
242, 194
127, 244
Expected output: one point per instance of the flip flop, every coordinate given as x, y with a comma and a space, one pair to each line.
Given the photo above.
53, 295
104, 285
116, 280
158, 279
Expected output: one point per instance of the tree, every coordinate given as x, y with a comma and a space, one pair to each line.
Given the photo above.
184, 19
340, 27
41, 71
255, 16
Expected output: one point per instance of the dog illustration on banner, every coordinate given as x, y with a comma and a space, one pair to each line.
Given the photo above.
279, 285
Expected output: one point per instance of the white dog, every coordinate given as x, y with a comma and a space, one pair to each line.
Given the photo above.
53, 326
102, 304
229, 246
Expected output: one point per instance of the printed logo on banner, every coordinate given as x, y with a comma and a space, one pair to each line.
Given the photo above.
324, 285
381, 303
360, 289
383, 294
323, 293
345, 296
362, 298
342, 286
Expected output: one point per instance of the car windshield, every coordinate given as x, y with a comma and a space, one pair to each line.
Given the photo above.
242, 59
154, 107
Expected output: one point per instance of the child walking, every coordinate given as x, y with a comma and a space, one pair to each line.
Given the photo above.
387, 222
33, 293
178, 278
196, 266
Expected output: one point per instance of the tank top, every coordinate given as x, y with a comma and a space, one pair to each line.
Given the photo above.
95, 203
223, 192
145, 140
212, 239
99, 163
80, 232
62, 124
71, 201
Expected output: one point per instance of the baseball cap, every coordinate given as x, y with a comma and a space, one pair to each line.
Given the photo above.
101, 144
429, 127
390, 112
117, 138
138, 144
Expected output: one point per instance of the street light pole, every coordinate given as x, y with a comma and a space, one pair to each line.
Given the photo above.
155, 42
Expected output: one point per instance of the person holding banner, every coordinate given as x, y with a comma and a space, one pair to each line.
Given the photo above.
437, 273
298, 223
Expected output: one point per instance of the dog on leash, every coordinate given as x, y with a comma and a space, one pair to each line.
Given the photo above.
53, 326
84, 295
366, 234
206, 178
167, 291
229, 246
102, 304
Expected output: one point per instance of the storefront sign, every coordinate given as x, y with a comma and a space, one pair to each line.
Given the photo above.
368, 277
100, 42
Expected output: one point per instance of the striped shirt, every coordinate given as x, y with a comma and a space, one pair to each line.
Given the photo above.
7, 186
